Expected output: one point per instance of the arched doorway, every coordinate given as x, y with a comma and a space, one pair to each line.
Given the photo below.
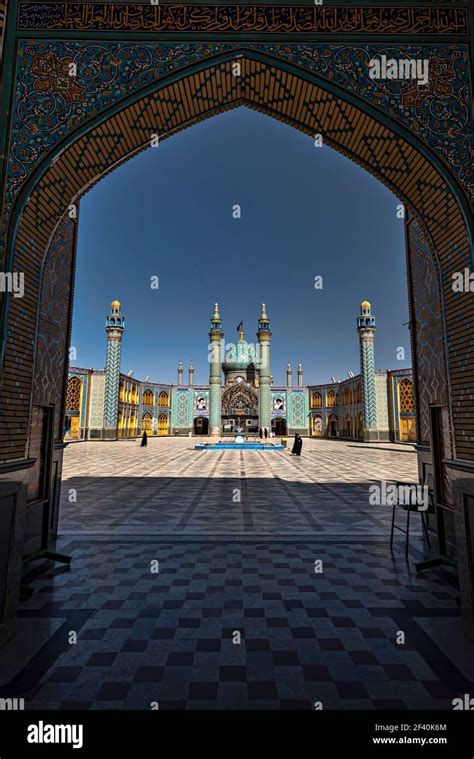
280, 427
347, 426
406, 406
73, 408
332, 425
163, 424
147, 422
317, 425
201, 425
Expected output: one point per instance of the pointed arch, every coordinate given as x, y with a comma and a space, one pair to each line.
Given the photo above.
73, 394
406, 396
163, 424
239, 399
148, 397
147, 422
316, 400
283, 90
331, 399
164, 399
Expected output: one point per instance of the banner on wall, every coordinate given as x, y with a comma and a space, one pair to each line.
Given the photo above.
278, 405
201, 404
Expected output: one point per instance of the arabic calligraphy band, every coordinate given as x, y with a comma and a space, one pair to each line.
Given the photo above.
263, 19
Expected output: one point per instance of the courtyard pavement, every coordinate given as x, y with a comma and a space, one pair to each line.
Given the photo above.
237, 580
182, 491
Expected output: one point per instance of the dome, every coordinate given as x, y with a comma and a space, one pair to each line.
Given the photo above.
365, 304
239, 356
115, 304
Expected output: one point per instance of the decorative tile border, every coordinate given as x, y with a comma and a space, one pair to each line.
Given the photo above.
110, 17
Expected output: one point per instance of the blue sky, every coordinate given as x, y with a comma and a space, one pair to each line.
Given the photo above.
305, 212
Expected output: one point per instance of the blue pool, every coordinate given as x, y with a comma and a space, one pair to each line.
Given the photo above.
238, 446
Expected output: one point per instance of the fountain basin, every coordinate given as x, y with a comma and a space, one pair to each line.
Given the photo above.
230, 446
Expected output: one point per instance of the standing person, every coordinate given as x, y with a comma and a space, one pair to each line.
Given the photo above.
260, 433
297, 445
144, 439
300, 445
266, 432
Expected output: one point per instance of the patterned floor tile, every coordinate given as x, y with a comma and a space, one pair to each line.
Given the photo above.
236, 617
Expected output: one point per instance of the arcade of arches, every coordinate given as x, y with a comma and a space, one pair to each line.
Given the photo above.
313, 86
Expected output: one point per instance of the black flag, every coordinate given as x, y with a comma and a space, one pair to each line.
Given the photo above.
240, 326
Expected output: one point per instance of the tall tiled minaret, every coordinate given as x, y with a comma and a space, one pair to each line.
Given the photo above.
114, 327
215, 372
265, 381
366, 329
300, 375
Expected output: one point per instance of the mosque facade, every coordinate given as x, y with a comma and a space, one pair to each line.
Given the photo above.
241, 397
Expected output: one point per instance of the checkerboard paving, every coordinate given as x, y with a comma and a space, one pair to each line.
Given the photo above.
284, 599
234, 624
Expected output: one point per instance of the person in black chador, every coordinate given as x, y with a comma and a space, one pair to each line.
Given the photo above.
260, 433
297, 445
144, 438
266, 433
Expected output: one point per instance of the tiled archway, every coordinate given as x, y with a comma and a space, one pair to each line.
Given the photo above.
178, 104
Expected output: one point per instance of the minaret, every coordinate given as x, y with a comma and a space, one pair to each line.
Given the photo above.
264, 391
191, 374
300, 375
114, 327
180, 373
289, 375
366, 330
215, 372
